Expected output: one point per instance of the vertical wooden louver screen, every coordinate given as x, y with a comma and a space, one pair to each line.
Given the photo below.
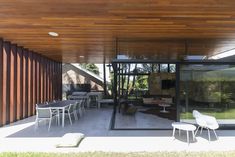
26, 78
13, 81
1, 82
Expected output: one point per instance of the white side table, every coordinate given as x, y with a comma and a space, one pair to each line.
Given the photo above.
164, 107
184, 126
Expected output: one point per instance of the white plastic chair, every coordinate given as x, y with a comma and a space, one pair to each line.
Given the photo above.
205, 121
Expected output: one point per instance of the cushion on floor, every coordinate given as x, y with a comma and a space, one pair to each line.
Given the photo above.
70, 140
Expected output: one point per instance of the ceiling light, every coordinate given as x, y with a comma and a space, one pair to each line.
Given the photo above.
81, 56
223, 54
54, 34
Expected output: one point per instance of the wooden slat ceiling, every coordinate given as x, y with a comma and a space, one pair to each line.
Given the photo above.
91, 27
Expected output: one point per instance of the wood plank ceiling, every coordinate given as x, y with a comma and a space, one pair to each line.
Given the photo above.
90, 27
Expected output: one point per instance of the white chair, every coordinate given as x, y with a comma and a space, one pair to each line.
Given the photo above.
96, 96
80, 109
74, 109
44, 113
71, 109
68, 112
205, 121
83, 104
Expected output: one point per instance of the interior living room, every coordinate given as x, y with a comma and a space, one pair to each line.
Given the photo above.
146, 93
156, 88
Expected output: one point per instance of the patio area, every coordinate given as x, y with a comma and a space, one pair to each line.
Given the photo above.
22, 137
141, 121
129, 69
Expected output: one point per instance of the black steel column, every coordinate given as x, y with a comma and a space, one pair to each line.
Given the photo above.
123, 78
128, 79
168, 68
105, 85
115, 85
119, 79
177, 91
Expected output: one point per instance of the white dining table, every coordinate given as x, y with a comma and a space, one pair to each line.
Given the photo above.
60, 105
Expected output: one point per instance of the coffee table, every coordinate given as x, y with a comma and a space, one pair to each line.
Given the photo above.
164, 107
184, 126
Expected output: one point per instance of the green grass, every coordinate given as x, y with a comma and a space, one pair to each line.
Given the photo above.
228, 114
144, 154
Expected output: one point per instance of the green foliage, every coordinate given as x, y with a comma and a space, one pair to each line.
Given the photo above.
226, 114
110, 86
147, 67
141, 82
224, 97
91, 67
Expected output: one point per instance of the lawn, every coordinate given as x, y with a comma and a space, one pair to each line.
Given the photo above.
228, 114
144, 154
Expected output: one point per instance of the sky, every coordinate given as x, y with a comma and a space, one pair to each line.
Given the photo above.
100, 66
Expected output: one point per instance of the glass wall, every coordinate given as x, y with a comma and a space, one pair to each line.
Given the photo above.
145, 95
209, 89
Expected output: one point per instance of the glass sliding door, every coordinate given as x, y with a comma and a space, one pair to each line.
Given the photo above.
209, 89
145, 95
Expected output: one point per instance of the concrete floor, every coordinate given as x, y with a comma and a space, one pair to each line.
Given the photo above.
141, 121
21, 136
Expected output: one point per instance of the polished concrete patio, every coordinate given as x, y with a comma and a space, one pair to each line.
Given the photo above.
21, 136
141, 121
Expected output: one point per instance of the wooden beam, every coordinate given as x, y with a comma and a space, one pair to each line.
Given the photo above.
37, 81
13, 83
48, 80
51, 80
45, 80
29, 65
42, 80
25, 83
54, 82
33, 84
6, 82
19, 83
1, 82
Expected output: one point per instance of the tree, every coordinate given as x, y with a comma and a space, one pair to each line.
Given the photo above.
141, 82
91, 67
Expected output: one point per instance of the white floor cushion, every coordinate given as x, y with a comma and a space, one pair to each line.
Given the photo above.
70, 140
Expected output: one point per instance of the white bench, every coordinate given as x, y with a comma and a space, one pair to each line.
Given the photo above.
184, 126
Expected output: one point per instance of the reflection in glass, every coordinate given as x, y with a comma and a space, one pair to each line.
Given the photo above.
164, 67
209, 89
172, 68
